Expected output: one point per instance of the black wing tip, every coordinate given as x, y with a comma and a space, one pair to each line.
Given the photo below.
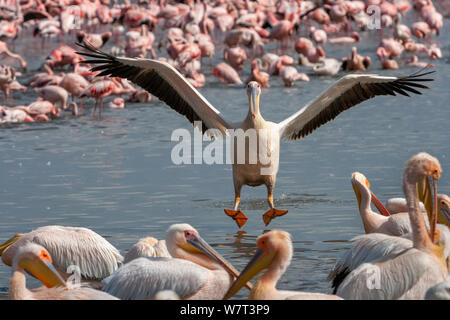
92, 51
420, 73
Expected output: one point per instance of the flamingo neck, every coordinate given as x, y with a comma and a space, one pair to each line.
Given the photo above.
17, 287
421, 239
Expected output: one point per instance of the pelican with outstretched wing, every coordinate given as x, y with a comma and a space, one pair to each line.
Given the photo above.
251, 166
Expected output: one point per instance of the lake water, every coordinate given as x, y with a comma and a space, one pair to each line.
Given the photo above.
116, 177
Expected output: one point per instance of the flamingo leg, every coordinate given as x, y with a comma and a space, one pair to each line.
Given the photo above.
101, 107
95, 107
81, 105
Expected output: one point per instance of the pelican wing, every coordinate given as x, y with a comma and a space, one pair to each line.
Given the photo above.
406, 276
144, 277
366, 248
95, 257
70, 293
344, 94
162, 80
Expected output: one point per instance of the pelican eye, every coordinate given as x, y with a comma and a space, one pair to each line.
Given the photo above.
189, 235
45, 255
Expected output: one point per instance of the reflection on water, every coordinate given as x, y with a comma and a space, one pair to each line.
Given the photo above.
116, 177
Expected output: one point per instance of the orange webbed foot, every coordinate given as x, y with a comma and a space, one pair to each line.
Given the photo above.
272, 214
237, 215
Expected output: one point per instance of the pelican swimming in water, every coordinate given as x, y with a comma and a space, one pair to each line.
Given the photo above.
394, 225
397, 205
413, 269
95, 257
274, 253
36, 260
195, 272
256, 167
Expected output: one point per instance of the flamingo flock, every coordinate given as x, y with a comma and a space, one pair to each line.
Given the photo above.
169, 49
246, 36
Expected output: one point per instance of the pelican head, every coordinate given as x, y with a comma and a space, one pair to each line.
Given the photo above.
444, 208
9, 242
36, 260
185, 237
362, 185
253, 93
274, 251
424, 170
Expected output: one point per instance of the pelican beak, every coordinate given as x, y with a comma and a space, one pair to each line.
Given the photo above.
380, 207
259, 262
9, 242
198, 244
254, 100
427, 193
356, 189
358, 195
43, 270
446, 213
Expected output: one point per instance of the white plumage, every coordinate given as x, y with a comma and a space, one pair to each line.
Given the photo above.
147, 247
82, 247
401, 268
196, 271
143, 278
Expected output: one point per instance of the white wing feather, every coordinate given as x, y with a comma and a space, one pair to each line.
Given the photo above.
143, 278
82, 247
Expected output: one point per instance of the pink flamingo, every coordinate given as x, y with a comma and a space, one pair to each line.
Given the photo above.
259, 76
306, 48
227, 74
63, 55
411, 46
235, 57
4, 51
420, 29
12, 115
289, 75
389, 64
54, 94
414, 62
42, 107
320, 16
345, 40
318, 35
99, 90
276, 66
389, 47
95, 40
7, 76
189, 52
281, 30
355, 61
75, 84
117, 103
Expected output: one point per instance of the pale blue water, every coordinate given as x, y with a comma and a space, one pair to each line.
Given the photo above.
116, 177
